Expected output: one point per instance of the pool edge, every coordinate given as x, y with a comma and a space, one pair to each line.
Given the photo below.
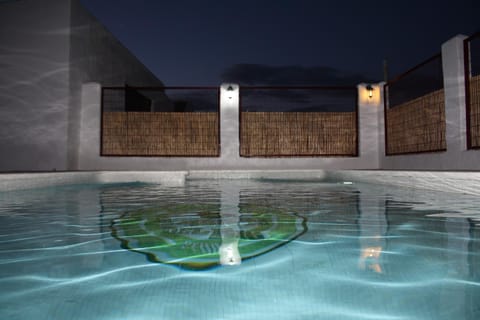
23, 181
448, 181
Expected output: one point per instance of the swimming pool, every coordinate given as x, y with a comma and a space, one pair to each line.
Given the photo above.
239, 249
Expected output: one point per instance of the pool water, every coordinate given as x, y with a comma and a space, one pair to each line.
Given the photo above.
239, 249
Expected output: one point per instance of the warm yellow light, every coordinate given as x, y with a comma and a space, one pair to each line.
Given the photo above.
369, 258
369, 94
370, 91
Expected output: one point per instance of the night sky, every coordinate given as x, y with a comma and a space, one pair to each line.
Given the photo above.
283, 42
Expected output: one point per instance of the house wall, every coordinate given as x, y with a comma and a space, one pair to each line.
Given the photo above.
48, 49
96, 55
35, 71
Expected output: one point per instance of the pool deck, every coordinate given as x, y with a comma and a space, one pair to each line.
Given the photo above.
467, 182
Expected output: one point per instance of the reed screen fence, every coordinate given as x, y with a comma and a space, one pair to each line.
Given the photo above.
417, 126
474, 113
312, 122
157, 133
415, 110
472, 87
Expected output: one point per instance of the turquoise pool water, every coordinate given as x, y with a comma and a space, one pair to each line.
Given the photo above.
239, 249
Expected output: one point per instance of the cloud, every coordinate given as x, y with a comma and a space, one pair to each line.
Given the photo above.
258, 74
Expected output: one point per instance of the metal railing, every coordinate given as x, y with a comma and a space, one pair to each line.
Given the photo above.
298, 121
472, 89
415, 110
160, 121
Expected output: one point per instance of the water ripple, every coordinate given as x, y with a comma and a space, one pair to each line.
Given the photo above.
70, 246
56, 245
59, 235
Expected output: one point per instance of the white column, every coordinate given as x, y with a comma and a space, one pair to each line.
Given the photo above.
90, 117
370, 122
454, 87
381, 123
229, 122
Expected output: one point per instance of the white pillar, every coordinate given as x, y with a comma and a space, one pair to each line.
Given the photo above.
454, 87
370, 122
229, 122
90, 117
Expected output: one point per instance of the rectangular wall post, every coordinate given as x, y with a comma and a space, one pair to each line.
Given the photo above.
370, 123
90, 124
454, 86
229, 123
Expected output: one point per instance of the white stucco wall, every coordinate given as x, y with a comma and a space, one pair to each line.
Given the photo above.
34, 60
48, 49
96, 55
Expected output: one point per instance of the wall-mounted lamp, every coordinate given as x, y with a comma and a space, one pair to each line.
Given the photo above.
370, 91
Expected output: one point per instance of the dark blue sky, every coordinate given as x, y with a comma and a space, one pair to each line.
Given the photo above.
186, 42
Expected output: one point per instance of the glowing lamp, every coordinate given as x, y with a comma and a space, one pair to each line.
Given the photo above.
370, 91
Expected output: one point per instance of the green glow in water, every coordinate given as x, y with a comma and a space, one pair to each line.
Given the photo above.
199, 236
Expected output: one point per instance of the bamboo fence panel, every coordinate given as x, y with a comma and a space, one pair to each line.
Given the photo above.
114, 127
160, 134
417, 125
283, 134
475, 111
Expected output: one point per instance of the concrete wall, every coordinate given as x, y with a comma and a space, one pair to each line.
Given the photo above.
48, 49
230, 159
34, 59
95, 55
457, 157
371, 123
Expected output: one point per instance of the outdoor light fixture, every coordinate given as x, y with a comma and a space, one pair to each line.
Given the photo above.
370, 91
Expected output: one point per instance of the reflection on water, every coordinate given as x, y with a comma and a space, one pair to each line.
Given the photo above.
198, 237
369, 258
230, 231
373, 227
227, 223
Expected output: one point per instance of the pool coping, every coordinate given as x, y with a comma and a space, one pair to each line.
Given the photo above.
467, 182
22, 181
